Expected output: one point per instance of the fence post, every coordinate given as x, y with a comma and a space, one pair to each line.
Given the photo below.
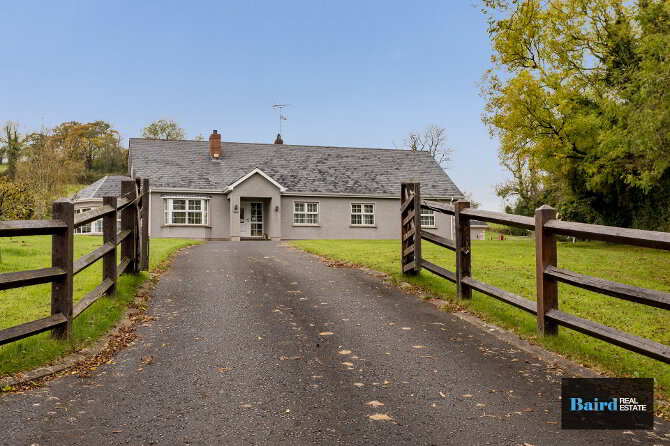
545, 255
410, 234
463, 252
62, 256
109, 232
128, 220
144, 244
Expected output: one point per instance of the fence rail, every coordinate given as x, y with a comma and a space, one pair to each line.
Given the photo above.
133, 238
548, 275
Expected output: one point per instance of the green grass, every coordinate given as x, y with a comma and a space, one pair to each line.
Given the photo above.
29, 303
510, 264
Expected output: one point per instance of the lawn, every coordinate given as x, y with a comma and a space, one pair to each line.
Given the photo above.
510, 264
29, 303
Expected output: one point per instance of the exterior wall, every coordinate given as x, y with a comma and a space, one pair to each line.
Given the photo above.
88, 203
335, 219
334, 216
477, 233
218, 227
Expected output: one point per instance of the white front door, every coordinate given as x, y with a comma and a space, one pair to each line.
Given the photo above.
245, 218
251, 219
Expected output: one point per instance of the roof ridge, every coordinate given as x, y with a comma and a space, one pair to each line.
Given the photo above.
283, 145
102, 181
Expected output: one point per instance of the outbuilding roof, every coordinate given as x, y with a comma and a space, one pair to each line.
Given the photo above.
107, 186
300, 169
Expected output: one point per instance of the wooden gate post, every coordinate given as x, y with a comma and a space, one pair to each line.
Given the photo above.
128, 219
62, 256
109, 232
463, 251
545, 255
410, 234
144, 243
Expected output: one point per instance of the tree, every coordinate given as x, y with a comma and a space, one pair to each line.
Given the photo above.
12, 147
164, 129
46, 170
16, 201
578, 98
432, 140
96, 144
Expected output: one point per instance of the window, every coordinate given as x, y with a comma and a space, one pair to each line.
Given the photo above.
362, 214
186, 211
427, 218
89, 228
305, 213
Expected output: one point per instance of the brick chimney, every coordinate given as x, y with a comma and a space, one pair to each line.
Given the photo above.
279, 140
215, 145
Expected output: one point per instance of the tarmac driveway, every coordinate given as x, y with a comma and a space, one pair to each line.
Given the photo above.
257, 343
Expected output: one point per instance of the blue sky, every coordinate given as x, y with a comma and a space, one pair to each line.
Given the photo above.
356, 73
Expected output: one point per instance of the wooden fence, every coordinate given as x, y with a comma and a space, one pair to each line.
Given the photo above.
133, 237
546, 228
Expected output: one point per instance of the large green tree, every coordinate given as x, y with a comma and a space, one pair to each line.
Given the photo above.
164, 129
578, 96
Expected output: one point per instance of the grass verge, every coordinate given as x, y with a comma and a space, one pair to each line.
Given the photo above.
510, 265
29, 303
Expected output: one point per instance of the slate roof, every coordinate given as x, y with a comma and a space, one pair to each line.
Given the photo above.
107, 186
300, 169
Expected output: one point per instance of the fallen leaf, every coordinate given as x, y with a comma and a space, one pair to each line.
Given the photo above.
359, 384
147, 360
344, 352
419, 346
467, 395
325, 333
406, 328
374, 403
379, 417
348, 364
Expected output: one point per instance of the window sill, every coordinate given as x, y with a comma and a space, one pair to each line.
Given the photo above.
428, 227
184, 225
306, 225
362, 226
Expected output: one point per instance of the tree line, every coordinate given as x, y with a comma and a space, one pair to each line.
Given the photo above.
579, 97
39, 166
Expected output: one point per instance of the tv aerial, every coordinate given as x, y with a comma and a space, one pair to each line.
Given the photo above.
280, 109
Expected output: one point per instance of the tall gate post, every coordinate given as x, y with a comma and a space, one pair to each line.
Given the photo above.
109, 232
545, 255
463, 251
144, 238
128, 221
410, 218
62, 256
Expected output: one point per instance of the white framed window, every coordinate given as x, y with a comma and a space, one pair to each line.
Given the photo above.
427, 218
89, 228
305, 213
186, 211
362, 214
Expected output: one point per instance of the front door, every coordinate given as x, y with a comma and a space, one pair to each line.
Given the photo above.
256, 219
251, 219
245, 212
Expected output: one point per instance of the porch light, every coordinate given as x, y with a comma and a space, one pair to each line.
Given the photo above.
276, 208
235, 209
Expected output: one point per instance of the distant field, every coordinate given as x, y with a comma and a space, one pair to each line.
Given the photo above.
29, 303
510, 264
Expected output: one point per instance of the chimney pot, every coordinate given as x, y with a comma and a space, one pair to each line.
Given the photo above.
279, 140
215, 145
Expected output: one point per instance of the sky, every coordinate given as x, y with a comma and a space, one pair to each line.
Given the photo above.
355, 73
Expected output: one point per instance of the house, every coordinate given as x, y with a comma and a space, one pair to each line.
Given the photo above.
91, 197
228, 190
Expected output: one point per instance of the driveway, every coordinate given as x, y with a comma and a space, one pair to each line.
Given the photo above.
257, 343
